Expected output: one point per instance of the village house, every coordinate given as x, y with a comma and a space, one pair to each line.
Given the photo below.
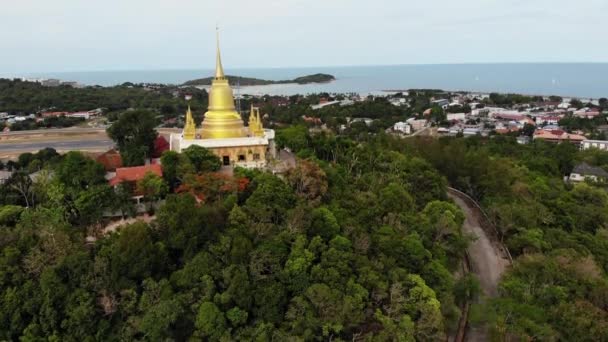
456, 116
134, 174
587, 113
584, 171
558, 136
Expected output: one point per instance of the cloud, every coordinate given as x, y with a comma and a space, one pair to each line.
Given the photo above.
62, 35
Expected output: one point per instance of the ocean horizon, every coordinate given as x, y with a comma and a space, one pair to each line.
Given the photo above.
584, 80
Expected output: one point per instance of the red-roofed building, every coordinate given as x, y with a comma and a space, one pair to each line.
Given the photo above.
135, 173
110, 160
557, 135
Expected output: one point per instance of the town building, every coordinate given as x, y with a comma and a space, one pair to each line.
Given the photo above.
584, 171
456, 116
587, 113
417, 124
222, 130
402, 127
111, 160
599, 144
558, 136
443, 103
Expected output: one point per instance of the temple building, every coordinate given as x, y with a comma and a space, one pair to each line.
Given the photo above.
223, 131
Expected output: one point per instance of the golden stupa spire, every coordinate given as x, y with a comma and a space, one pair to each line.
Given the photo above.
219, 69
189, 126
221, 120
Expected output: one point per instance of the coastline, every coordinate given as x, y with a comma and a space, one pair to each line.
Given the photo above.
580, 80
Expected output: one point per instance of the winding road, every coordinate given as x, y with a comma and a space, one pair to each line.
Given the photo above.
487, 257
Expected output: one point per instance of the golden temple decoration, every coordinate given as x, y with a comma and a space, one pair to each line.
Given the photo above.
255, 123
190, 126
221, 119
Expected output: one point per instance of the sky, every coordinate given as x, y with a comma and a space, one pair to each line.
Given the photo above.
77, 35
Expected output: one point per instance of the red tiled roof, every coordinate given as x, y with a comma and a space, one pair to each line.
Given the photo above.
110, 160
515, 117
135, 173
557, 135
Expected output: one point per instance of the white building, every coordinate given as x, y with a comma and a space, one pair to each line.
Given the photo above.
324, 104
599, 144
402, 127
456, 116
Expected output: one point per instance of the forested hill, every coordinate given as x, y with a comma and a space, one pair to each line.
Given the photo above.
248, 81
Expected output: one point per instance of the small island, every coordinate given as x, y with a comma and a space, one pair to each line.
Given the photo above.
249, 81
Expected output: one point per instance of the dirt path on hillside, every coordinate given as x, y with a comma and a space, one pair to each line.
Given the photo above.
488, 259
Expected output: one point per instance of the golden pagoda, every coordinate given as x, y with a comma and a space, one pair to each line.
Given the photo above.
223, 131
222, 119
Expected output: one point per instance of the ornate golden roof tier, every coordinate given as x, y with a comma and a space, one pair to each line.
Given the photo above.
221, 119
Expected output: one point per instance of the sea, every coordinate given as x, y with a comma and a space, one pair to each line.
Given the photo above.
582, 80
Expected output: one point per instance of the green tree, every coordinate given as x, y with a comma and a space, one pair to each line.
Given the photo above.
134, 132
210, 321
202, 159
153, 187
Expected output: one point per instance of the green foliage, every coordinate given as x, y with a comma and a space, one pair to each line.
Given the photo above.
210, 321
153, 187
358, 242
27, 97
202, 159
293, 137
9, 215
134, 133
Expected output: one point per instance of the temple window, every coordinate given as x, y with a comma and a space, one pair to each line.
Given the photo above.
241, 157
256, 156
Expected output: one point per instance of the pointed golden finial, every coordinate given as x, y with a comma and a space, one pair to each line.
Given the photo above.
258, 118
189, 127
219, 70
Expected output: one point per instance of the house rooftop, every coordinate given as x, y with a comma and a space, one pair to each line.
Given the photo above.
585, 169
135, 173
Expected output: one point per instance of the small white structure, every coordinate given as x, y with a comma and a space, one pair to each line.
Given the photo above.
324, 104
402, 127
443, 103
456, 116
599, 144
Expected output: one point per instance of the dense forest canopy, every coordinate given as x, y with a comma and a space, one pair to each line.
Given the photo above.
358, 241
18, 97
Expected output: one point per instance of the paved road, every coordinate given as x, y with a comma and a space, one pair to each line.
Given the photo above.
75, 145
488, 262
